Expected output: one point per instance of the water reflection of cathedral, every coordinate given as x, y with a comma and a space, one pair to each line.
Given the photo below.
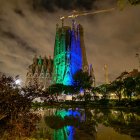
89, 124
70, 124
67, 132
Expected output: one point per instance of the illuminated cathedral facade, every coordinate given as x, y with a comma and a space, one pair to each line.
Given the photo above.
40, 72
69, 57
69, 54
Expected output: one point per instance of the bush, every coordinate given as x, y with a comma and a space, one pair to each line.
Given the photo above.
104, 102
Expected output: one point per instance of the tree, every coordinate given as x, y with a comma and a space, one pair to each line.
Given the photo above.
55, 88
82, 80
104, 90
96, 91
137, 79
13, 100
134, 2
123, 3
117, 87
10, 98
70, 89
129, 86
15, 105
53, 91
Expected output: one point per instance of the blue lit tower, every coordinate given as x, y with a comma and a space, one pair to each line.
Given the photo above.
69, 53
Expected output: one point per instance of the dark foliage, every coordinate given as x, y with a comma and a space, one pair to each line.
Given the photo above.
15, 104
134, 2
82, 80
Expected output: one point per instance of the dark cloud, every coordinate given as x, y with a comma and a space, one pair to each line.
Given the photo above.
52, 5
111, 38
21, 43
19, 12
2, 63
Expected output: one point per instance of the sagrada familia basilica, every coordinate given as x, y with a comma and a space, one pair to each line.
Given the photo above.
69, 57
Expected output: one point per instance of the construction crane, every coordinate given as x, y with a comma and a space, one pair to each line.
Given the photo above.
76, 14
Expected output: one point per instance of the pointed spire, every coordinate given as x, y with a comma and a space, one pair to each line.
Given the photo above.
91, 73
35, 59
62, 27
73, 24
45, 60
40, 60
57, 26
73, 29
81, 30
57, 32
42, 73
78, 32
91, 70
49, 64
62, 23
30, 72
36, 71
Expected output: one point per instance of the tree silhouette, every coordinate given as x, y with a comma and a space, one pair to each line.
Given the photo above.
82, 80
117, 87
129, 86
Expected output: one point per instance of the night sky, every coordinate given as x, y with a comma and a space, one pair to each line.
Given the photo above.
27, 27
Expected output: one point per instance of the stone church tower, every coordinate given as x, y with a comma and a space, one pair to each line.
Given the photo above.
69, 57
40, 72
69, 53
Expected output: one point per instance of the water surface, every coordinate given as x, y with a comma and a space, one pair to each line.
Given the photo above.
89, 124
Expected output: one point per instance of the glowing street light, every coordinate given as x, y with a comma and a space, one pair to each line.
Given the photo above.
18, 82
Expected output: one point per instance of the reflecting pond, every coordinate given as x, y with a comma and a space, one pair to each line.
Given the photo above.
90, 124
84, 124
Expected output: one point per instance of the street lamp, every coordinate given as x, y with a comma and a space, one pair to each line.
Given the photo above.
18, 82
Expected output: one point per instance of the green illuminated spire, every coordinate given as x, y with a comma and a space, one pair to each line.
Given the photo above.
40, 61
